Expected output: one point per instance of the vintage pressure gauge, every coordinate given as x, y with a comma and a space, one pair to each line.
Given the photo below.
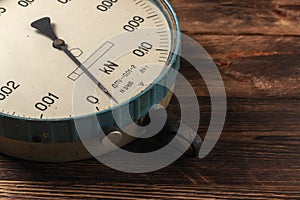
47, 47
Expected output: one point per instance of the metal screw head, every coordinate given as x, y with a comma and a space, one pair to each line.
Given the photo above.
112, 140
58, 43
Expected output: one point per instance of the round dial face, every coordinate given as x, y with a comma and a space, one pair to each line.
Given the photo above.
122, 44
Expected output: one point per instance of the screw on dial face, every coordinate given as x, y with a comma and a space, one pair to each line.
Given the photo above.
45, 28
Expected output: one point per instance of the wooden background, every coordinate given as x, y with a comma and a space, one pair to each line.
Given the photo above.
256, 45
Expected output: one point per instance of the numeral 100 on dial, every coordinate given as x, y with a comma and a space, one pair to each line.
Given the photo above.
143, 49
46, 102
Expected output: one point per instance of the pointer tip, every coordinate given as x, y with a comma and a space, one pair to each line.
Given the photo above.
36, 24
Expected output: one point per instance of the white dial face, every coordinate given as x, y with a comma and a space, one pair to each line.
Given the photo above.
37, 81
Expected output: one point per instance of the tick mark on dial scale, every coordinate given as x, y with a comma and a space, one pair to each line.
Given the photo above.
152, 16
161, 50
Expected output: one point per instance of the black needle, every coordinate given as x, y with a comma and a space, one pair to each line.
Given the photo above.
45, 27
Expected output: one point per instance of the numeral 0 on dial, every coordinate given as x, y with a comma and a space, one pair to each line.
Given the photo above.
92, 99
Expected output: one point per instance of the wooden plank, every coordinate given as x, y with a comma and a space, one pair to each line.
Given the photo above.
251, 114
235, 17
251, 66
42, 190
252, 159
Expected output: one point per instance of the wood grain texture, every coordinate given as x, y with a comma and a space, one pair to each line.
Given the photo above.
234, 17
254, 66
256, 47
